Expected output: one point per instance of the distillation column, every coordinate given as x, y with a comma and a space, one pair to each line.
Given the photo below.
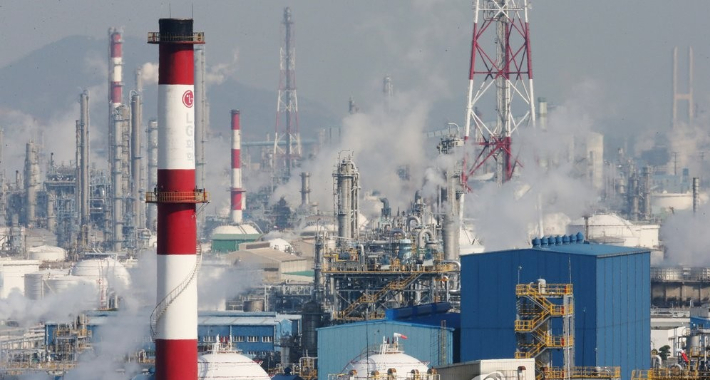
137, 189
347, 186
121, 118
151, 209
174, 319
305, 189
31, 183
83, 184
237, 190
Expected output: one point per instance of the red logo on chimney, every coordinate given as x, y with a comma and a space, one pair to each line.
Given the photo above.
188, 98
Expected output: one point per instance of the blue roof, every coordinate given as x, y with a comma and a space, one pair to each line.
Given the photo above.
378, 321
593, 249
599, 250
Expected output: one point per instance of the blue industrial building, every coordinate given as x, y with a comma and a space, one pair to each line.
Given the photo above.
611, 288
338, 345
256, 334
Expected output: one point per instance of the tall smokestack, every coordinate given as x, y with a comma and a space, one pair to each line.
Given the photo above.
238, 197
115, 81
115, 73
174, 319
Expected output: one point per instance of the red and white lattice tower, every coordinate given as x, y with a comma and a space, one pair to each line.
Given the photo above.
500, 79
174, 319
237, 191
286, 133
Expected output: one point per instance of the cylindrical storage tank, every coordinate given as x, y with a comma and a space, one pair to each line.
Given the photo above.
692, 341
254, 305
47, 253
12, 275
57, 285
34, 285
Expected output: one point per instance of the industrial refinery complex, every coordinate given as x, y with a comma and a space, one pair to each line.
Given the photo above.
462, 266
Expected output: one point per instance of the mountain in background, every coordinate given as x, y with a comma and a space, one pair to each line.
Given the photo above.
47, 82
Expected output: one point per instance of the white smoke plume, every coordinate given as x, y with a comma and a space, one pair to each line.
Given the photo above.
127, 331
56, 135
508, 216
149, 73
685, 237
216, 74
54, 306
381, 144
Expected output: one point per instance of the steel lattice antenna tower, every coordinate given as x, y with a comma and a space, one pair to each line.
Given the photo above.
286, 158
500, 71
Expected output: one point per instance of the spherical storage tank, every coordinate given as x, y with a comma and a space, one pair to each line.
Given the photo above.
107, 269
389, 360
223, 364
229, 365
109, 276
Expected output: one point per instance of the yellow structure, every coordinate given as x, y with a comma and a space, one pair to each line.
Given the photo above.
533, 328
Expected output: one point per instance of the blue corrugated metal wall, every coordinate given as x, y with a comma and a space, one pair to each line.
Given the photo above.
612, 303
338, 345
624, 318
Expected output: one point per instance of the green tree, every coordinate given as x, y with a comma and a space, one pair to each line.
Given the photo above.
664, 351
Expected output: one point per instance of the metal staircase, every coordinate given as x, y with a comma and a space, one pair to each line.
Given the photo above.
535, 310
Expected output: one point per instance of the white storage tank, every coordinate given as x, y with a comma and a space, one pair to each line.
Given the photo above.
47, 253
12, 275
227, 364
388, 361
103, 269
58, 285
35, 283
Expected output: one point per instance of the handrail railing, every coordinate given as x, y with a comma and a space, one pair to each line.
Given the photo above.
197, 196
163, 305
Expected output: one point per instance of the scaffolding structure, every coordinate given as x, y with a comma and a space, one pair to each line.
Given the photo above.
363, 290
537, 304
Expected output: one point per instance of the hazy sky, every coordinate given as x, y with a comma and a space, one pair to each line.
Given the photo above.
345, 47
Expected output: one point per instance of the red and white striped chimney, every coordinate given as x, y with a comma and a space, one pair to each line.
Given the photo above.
115, 69
238, 197
175, 317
